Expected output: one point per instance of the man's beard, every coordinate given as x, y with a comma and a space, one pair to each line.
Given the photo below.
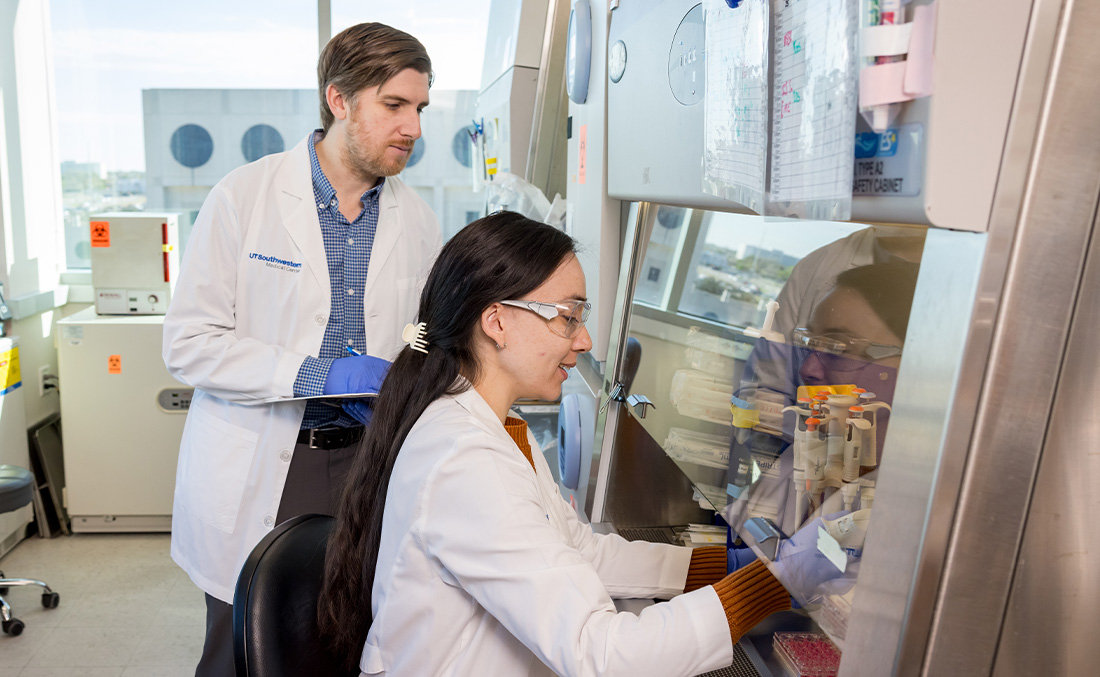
367, 167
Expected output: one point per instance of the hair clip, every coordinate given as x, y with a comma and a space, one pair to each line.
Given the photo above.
413, 334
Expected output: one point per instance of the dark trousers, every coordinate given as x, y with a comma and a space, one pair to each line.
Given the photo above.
314, 484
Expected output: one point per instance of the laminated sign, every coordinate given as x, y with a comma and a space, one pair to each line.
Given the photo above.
10, 376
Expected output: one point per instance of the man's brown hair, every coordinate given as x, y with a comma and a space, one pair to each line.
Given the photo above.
366, 55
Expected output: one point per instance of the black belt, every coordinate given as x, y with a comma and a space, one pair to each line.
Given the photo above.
332, 437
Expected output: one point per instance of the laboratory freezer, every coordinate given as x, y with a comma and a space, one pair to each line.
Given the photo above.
123, 418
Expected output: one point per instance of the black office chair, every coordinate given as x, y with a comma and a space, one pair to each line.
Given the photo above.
275, 604
16, 491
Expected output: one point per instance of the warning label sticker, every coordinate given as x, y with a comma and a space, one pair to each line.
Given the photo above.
101, 233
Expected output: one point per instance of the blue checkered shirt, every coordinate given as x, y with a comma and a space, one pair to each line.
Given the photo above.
347, 249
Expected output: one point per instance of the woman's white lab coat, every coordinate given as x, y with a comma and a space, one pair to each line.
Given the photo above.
252, 301
484, 569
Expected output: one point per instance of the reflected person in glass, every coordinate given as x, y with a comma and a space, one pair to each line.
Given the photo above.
854, 337
814, 275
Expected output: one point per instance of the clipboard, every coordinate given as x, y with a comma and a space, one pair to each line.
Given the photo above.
334, 400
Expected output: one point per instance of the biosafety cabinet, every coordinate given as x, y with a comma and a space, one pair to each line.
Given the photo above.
931, 363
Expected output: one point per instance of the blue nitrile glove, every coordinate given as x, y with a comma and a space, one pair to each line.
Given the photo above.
360, 409
803, 569
358, 374
739, 557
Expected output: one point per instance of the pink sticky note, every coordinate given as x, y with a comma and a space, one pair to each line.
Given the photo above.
918, 74
882, 84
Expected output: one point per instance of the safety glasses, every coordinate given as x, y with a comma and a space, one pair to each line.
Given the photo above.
839, 344
564, 319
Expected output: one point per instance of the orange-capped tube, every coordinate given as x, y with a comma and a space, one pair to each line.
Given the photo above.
812, 423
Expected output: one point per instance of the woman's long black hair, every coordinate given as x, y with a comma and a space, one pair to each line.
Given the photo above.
502, 256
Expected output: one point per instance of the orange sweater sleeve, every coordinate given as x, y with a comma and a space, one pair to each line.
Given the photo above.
708, 566
749, 595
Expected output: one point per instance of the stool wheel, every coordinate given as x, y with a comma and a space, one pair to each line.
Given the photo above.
13, 627
50, 600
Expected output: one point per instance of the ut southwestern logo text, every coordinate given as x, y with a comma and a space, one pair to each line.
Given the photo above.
277, 263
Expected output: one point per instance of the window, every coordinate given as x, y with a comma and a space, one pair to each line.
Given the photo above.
157, 102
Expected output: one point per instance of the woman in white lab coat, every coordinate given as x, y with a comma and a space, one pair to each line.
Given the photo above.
452, 535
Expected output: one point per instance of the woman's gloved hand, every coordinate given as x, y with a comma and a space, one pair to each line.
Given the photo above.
739, 557
803, 569
357, 374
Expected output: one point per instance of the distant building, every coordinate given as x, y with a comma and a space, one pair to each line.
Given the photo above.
194, 137
133, 186
83, 169
715, 260
748, 251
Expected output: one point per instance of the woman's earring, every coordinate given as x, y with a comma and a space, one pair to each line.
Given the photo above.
502, 347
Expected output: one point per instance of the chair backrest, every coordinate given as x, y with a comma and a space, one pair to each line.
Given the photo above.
275, 604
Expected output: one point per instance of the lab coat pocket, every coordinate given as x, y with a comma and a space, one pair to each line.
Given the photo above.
214, 470
407, 296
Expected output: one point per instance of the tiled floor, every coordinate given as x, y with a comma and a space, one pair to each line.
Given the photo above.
126, 609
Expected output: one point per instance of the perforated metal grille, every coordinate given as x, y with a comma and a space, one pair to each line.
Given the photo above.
649, 534
741, 667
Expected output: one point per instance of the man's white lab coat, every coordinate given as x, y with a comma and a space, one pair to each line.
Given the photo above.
252, 302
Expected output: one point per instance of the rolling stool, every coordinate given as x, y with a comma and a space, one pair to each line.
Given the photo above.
16, 491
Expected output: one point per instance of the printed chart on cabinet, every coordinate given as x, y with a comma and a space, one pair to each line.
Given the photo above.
814, 100
736, 130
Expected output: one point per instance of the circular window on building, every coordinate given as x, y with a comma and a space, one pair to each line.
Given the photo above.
462, 146
192, 146
417, 153
261, 140
670, 217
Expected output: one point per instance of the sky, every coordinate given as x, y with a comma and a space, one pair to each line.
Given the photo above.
106, 51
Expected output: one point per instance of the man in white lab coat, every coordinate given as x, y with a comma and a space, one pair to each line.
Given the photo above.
300, 273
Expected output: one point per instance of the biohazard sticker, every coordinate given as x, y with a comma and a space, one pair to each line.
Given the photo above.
101, 233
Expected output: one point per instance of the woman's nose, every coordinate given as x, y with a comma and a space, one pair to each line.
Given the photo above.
582, 342
812, 370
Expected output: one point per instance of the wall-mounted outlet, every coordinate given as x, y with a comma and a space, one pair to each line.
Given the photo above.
42, 380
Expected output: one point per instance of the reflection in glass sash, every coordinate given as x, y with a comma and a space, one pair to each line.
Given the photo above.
809, 418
